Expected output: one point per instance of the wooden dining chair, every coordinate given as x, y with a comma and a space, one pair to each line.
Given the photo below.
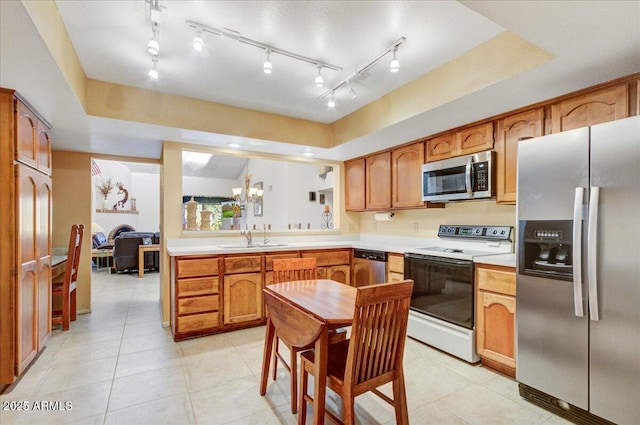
286, 270
65, 288
371, 357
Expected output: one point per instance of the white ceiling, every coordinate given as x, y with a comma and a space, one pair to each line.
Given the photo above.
593, 41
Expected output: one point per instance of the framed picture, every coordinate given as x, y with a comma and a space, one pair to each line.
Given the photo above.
257, 207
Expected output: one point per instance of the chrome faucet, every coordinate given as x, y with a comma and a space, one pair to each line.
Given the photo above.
247, 235
266, 241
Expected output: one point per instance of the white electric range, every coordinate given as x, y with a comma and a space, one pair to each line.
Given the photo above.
442, 303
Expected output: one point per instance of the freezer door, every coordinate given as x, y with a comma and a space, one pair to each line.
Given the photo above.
552, 342
615, 338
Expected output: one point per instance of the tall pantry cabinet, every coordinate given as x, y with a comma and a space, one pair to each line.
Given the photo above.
25, 235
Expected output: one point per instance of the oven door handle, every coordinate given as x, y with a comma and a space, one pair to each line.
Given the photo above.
439, 260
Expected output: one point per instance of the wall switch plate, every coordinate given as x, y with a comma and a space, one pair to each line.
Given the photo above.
415, 227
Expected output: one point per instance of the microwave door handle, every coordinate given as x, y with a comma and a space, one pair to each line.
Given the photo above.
467, 175
577, 252
592, 253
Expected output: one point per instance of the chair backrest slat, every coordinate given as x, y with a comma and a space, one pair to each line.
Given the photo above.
289, 269
73, 255
378, 331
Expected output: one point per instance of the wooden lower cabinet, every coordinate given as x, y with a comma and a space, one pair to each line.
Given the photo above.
333, 264
395, 267
195, 308
242, 297
495, 317
219, 293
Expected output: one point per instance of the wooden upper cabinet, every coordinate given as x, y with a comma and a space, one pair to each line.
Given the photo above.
511, 130
44, 148
441, 147
26, 135
33, 139
378, 181
354, 185
608, 104
475, 139
462, 142
406, 176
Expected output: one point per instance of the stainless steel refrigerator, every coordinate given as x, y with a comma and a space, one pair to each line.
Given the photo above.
578, 281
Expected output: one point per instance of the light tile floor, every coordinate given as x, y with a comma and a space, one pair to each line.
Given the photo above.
117, 365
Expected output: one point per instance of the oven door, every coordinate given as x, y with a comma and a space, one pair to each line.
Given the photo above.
442, 288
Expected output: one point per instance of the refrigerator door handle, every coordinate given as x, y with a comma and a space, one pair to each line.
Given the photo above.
577, 252
467, 176
592, 253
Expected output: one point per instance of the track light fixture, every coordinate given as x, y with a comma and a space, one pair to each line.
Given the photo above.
352, 92
153, 72
154, 46
332, 100
267, 68
346, 82
319, 79
394, 65
198, 44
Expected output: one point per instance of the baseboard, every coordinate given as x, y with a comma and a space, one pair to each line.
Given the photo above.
83, 311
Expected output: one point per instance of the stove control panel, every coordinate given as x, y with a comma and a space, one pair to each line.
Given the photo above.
475, 232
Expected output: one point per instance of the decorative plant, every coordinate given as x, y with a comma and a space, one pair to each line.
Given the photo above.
105, 186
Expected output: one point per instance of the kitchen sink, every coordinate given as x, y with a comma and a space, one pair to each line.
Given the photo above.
253, 246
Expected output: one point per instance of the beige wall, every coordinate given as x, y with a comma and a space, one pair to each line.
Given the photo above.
72, 204
428, 220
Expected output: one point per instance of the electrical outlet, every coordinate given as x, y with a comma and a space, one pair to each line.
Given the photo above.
415, 227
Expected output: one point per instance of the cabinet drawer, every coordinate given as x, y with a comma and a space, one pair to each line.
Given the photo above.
395, 264
191, 267
329, 258
242, 264
268, 263
496, 279
197, 322
198, 286
198, 304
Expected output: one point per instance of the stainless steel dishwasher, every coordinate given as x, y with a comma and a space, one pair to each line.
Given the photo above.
369, 267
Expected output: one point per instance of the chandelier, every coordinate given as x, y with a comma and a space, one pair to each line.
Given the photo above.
251, 194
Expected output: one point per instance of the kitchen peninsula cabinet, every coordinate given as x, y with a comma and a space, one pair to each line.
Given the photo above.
606, 104
495, 317
332, 264
195, 297
25, 235
510, 131
354, 185
378, 181
242, 289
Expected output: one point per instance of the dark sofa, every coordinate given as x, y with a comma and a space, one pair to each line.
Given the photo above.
125, 251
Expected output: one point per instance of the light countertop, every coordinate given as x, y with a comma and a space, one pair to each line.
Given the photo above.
507, 260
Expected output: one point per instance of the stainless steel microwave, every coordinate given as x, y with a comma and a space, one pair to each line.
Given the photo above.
463, 177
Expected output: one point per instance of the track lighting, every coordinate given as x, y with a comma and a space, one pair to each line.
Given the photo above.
394, 65
153, 72
198, 44
267, 67
154, 46
352, 92
319, 79
332, 100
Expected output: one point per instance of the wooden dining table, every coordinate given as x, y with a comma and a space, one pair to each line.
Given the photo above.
301, 313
